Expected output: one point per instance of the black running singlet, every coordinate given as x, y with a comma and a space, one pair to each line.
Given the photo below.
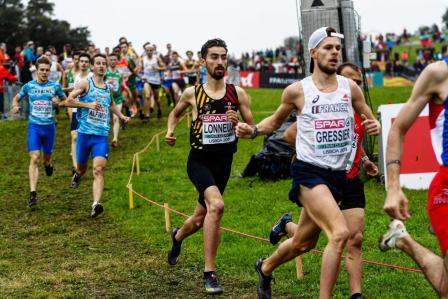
211, 130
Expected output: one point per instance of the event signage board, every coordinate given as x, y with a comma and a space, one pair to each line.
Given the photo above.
418, 163
278, 80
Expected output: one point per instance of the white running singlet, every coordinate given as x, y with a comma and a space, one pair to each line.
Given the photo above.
325, 126
150, 71
76, 81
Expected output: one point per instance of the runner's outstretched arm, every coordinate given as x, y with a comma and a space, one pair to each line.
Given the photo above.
292, 98
244, 107
425, 89
187, 99
115, 110
370, 123
72, 100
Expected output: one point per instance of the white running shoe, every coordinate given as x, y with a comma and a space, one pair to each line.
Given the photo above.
396, 230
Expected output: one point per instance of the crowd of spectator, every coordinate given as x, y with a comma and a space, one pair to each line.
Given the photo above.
393, 58
281, 60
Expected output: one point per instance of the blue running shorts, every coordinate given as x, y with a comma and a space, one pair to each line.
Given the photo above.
41, 137
88, 143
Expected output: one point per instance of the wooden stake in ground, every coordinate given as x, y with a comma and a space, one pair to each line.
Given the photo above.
300, 274
131, 198
158, 142
167, 218
137, 163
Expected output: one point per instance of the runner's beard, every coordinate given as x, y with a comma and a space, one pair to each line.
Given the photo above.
327, 70
217, 74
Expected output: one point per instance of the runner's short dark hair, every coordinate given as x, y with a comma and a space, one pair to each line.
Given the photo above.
42, 60
84, 55
98, 55
347, 64
216, 42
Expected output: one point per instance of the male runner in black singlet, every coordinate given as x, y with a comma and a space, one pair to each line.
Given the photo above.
212, 138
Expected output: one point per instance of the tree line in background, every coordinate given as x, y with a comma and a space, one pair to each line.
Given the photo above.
20, 23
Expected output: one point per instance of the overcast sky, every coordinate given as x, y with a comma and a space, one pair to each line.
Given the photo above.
244, 24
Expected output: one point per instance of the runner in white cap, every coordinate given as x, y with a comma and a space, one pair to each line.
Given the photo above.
324, 103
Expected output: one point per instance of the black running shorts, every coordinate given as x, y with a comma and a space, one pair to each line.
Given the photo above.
74, 123
154, 86
207, 169
349, 194
353, 195
309, 175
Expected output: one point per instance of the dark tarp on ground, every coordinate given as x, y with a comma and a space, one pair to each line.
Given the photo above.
274, 159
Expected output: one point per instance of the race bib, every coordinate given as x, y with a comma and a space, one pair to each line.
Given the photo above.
98, 117
42, 109
332, 136
124, 71
175, 74
114, 83
217, 129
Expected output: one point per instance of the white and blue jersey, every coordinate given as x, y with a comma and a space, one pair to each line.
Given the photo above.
40, 103
438, 124
95, 122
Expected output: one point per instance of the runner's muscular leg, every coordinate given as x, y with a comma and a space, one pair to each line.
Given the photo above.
322, 208
303, 238
147, 98
99, 166
157, 98
193, 223
116, 123
74, 137
33, 169
215, 210
353, 261
432, 265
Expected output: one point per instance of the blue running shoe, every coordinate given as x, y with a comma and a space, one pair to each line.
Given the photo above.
279, 228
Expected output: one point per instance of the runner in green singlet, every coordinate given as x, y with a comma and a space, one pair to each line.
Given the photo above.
115, 80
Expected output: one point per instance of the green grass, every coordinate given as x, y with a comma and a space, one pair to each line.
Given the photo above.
56, 250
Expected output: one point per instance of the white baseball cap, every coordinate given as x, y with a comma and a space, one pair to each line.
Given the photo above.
318, 36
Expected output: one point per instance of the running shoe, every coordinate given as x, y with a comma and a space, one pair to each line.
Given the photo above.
159, 113
114, 143
174, 252
49, 169
396, 230
33, 199
145, 119
131, 112
357, 296
211, 283
264, 282
279, 228
73, 171
75, 181
97, 209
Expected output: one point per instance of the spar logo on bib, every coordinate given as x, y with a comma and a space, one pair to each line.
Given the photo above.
217, 129
329, 124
